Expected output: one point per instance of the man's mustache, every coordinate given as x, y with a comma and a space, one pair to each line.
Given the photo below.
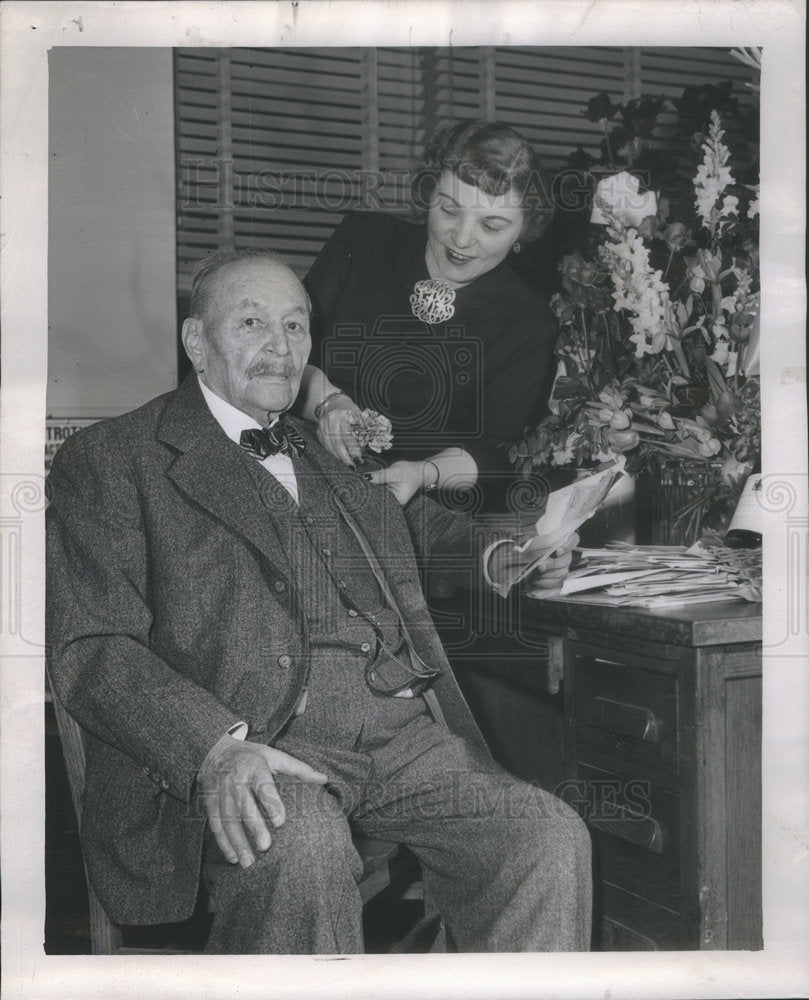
263, 368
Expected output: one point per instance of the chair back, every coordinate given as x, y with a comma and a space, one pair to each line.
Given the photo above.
72, 750
105, 937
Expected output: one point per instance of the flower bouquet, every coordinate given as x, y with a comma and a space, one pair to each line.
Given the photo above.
658, 316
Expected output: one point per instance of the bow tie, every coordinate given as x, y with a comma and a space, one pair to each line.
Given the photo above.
264, 441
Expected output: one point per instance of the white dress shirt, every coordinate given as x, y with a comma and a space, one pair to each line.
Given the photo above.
233, 421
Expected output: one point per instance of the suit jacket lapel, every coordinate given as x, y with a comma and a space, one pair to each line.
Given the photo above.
213, 472
372, 507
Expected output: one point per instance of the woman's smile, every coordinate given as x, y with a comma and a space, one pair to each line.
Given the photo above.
456, 258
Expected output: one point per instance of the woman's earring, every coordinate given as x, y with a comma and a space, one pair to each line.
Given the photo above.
516, 248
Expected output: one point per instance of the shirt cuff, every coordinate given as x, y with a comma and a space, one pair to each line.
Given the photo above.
238, 731
499, 588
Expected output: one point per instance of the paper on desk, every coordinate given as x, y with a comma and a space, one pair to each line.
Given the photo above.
566, 509
575, 583
652, 577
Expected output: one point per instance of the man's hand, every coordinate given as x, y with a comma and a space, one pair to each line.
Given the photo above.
551, 572
236, 782
334, 432
507, 563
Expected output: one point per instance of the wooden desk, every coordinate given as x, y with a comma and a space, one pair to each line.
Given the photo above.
663, 710
655, 739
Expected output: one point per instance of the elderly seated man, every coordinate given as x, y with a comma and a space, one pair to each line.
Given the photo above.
237, 621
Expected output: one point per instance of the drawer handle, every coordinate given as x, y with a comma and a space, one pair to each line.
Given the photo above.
629, 720
643, 831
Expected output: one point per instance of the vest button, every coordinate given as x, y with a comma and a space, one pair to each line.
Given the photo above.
352, 613
326, 552
308, 519
279, 586
366, 647
284, 660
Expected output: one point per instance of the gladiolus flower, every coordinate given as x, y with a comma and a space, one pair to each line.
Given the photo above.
712, 179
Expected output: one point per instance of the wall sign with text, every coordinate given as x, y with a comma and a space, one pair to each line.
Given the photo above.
59, 429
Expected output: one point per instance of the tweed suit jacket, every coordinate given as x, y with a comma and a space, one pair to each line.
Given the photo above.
172, 614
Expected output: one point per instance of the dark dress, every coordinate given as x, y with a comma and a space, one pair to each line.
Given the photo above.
475, 381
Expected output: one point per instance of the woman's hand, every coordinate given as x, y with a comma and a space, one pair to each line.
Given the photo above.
404, 479
334, 431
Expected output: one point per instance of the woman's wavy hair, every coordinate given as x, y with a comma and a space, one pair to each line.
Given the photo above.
491, 156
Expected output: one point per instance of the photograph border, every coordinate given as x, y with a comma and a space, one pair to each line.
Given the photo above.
27, 31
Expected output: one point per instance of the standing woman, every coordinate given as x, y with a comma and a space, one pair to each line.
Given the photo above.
429, 324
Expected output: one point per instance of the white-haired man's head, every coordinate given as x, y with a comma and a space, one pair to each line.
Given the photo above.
247, 334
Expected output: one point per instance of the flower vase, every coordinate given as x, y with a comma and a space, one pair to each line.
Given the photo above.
614, 521
671, 500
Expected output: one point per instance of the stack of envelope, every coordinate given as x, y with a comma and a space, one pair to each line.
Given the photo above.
659, 576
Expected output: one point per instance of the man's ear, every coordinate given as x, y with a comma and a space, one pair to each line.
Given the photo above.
194, 343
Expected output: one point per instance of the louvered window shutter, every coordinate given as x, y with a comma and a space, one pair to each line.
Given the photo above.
274, 146
401, 119
200, 108
284, 159
542, 93
670, 70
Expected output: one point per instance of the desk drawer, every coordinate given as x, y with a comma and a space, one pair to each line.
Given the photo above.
627, 711
634, 826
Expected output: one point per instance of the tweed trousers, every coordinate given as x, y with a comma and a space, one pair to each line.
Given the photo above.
507, 864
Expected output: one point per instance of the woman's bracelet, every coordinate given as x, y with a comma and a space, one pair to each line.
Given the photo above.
432, 486
322, 403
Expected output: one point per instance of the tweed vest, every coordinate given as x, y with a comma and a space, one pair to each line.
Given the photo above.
351, 659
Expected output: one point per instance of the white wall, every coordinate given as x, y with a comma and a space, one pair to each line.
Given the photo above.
111, 250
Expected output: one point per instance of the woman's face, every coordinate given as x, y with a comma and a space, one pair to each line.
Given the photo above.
468, 231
